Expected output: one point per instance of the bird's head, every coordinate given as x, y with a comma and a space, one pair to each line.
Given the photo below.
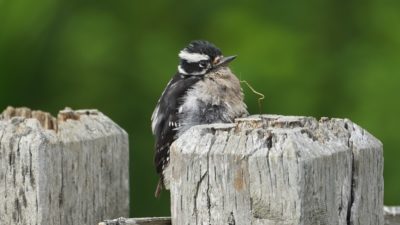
200, 57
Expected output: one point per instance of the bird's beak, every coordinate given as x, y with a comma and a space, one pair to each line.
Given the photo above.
224, 61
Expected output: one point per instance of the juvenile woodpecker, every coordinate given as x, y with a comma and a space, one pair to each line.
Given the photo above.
203, 91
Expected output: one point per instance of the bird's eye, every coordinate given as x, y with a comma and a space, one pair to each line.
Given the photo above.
202, 64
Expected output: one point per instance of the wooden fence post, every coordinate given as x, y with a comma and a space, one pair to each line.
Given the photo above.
67, 170
392, 215
277, 170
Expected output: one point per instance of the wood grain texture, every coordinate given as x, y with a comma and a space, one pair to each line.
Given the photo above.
392, 217
138, 221
69, 170
277, 170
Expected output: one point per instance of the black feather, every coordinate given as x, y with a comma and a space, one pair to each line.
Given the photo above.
203, 47
168, 106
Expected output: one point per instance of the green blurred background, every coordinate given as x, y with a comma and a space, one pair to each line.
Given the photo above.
335, 58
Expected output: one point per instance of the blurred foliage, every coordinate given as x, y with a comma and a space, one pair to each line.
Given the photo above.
332, 58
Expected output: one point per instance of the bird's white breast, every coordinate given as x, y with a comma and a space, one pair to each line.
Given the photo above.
219, 88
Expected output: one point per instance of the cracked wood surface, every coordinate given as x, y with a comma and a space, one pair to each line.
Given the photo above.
72, 169
392, 217
280, 170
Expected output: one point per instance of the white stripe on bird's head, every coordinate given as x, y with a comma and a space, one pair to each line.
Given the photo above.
196, 73
181, 70
193, 57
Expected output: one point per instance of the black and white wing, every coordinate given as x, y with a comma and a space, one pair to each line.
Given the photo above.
165, 117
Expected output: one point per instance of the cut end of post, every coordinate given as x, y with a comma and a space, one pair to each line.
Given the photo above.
46, 120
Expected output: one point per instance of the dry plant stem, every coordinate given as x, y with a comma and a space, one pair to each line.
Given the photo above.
261, 96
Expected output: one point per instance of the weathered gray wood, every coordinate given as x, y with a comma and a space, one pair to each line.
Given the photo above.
277, 170
392, 215
138, 221
69, 170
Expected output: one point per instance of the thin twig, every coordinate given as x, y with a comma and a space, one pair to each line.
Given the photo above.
260, 99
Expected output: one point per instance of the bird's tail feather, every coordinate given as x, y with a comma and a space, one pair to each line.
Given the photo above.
159, 188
